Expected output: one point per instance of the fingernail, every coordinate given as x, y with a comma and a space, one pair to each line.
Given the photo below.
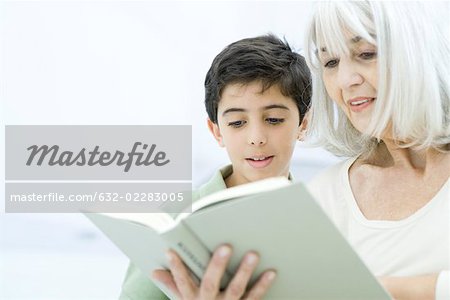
169, 256
270, 276
153, 275
224, 251
251, 259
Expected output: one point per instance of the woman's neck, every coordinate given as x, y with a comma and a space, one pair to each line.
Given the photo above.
389, 154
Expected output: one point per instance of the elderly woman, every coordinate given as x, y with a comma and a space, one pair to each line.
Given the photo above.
381, 96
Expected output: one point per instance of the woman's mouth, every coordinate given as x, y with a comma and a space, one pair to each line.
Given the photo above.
360, 103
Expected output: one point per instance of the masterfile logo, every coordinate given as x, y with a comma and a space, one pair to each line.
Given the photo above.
91, 158
97, 168
98, 152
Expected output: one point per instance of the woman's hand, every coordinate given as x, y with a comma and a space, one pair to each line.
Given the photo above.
411, 287
179, 281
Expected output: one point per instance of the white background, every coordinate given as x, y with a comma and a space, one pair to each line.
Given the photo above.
115, 63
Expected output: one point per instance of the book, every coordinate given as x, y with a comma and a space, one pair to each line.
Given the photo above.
278, 219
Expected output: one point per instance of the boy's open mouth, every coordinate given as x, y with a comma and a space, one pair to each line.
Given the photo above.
259, 161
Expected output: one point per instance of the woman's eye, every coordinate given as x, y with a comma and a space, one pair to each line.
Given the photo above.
236, 124
331, 63
274, 121
368, 55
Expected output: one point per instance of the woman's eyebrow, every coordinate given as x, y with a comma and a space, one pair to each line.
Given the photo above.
356, 39
353, 40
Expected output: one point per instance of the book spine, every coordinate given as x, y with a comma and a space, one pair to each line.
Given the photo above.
191, 250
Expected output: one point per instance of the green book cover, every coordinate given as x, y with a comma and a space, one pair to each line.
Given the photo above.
284, 225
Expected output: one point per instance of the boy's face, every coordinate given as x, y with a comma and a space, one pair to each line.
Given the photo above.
258, 130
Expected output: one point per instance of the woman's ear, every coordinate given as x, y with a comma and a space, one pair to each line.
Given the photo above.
215, 130
303, 127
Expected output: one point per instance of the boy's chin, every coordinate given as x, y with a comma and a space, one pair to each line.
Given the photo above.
263, 175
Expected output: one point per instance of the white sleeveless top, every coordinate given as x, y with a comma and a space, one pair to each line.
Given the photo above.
416, 245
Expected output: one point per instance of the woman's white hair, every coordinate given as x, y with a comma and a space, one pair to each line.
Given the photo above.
413, 73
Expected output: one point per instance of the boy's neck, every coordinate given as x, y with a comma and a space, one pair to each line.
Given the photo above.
231, 181
234, 180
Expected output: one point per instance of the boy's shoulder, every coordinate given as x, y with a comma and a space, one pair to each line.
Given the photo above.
214, 184
217, 183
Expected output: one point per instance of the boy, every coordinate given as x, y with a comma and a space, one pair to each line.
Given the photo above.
257, 92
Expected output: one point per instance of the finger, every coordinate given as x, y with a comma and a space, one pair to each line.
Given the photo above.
181, 275
210, 285
238, 284
260, 288
166, 278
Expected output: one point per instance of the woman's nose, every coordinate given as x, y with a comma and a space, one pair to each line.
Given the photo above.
348, 75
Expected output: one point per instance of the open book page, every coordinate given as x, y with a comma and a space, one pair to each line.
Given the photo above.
248, 189
288, 228
160, 222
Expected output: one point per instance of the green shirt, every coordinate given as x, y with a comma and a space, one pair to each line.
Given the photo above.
139, 286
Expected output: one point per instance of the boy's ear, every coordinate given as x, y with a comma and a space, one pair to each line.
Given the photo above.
303, 127
215, 130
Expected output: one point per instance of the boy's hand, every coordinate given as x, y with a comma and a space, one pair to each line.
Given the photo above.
179, 281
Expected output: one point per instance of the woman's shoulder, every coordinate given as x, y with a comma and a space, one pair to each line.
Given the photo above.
330, 176
331, 190
331, 184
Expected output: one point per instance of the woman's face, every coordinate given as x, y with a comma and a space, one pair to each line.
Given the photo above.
351, 80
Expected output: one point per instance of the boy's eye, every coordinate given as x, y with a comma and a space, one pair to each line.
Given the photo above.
331, 63
236, 124
274, 121
367, 55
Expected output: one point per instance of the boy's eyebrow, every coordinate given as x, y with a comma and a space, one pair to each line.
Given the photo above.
233, 110
275, 106
272, 106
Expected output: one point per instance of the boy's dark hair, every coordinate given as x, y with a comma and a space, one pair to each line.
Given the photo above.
264, 58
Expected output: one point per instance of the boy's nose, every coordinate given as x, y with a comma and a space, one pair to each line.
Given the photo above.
257, 137
258, 142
